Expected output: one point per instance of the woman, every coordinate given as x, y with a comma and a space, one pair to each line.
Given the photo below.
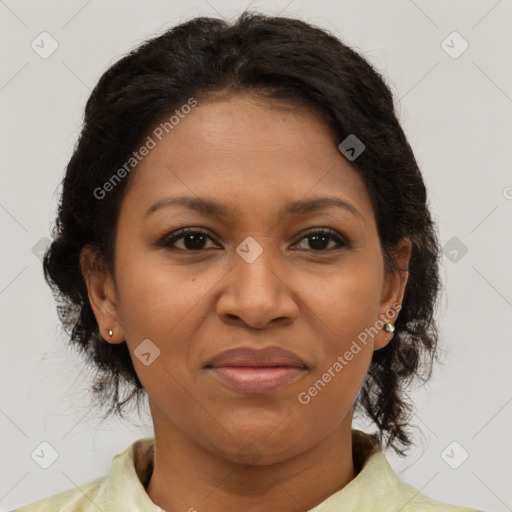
243, 235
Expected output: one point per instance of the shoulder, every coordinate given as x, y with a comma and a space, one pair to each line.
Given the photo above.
85, 498
378, 487
409, 499
392, 493
121, 489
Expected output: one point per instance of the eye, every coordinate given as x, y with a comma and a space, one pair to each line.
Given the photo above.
319, 239
193, 240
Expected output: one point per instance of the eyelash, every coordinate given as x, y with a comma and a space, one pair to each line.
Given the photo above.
168, 240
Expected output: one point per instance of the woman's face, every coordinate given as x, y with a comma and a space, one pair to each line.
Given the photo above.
254, 276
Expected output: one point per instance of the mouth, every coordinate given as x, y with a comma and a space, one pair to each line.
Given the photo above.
254, 371
257, 379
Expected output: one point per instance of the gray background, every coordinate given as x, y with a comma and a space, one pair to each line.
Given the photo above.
457, 114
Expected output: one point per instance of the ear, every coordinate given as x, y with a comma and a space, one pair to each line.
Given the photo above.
102, 295
393, 290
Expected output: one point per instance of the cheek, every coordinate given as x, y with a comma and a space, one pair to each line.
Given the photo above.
328, 394
345, 300
165, 304
155, 295
346, 309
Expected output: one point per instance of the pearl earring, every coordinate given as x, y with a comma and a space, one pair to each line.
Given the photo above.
389, 327
110, 332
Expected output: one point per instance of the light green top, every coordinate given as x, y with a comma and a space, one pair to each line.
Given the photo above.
376, 487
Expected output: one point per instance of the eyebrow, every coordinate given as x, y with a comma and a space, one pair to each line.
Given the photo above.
210, 207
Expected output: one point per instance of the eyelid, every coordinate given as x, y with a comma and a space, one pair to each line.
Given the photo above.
166, 240
342, 241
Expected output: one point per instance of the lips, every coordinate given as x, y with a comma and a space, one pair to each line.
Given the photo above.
254, 371
265, 357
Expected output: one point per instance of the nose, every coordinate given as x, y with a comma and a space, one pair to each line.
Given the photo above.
257, 294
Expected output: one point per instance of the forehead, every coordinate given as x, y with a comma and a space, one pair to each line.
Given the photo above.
246, 149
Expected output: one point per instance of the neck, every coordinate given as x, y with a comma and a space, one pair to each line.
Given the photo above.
186, 476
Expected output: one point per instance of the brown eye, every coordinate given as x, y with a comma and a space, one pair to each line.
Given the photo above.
193, 240
319, 240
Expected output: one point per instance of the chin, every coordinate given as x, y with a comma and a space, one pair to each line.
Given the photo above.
261, 449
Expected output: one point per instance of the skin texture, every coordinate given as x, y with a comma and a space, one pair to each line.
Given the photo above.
218, 449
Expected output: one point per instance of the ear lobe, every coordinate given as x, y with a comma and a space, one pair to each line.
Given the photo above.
393, 290
101, 293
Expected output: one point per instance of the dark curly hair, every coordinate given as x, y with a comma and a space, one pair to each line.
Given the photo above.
274, 57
